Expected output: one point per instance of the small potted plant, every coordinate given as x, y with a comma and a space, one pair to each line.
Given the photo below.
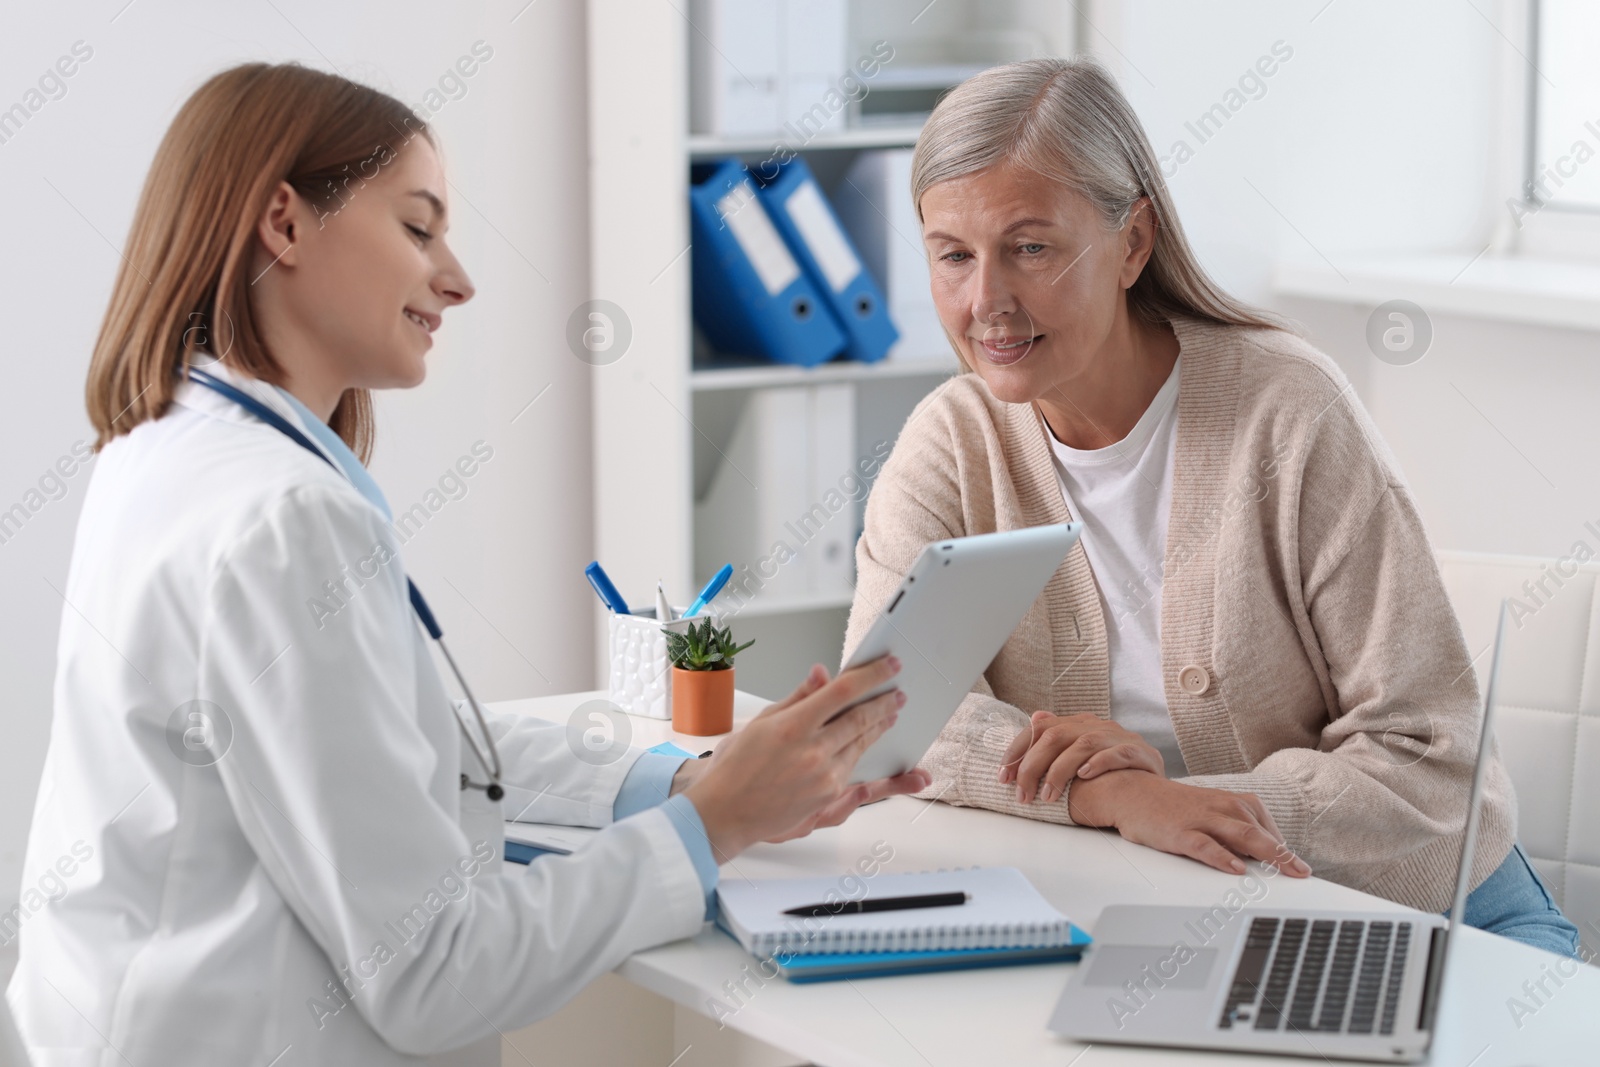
702, 678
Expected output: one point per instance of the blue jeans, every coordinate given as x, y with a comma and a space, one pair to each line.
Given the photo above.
1514, 903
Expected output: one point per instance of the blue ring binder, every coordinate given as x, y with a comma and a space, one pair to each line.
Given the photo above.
751, 296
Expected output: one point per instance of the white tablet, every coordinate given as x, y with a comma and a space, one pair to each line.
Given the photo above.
948, 620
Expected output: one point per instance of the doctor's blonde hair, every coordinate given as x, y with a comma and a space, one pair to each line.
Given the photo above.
184, 281
1067, 121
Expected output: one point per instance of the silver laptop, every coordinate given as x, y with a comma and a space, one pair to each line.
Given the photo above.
1357, 985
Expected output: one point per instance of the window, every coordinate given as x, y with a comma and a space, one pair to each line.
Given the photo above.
1562, 169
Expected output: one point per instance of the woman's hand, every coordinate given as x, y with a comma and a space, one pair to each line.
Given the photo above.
787, 771
1057, 748
1216, 827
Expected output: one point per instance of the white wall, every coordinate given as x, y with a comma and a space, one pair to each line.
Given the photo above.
501, 565
1495, 427
1377, 135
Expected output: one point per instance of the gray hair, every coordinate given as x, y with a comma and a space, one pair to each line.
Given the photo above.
1066, 120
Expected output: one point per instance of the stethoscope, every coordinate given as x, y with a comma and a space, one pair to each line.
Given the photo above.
490, 762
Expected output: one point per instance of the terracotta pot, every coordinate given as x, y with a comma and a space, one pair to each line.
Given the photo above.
702, 701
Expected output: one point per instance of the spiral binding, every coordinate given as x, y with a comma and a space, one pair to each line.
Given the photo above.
798, 941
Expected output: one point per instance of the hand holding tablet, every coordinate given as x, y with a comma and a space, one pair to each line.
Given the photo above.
949, 618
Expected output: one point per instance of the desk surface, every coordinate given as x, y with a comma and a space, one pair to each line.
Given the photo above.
999, 1015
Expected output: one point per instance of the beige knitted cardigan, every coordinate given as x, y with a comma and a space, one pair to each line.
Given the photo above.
1310, 654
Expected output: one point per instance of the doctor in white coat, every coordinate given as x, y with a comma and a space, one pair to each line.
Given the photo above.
259, 812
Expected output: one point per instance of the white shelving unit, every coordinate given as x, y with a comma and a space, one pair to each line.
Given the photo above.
704, 379
710, 146
659, 418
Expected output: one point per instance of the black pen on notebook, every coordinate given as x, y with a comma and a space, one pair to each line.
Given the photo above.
856, 907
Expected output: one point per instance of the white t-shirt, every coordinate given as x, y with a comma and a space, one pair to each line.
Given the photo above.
1122, 494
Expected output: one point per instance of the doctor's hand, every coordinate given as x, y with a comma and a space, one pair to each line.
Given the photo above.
853, 797
1219, 828
1055, 749
788, 770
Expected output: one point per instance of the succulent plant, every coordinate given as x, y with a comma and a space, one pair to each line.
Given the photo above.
703, 647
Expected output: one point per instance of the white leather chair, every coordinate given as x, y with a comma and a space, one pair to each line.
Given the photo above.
12, 1054
1548, 709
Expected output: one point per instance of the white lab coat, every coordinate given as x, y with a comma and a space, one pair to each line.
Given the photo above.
213, 911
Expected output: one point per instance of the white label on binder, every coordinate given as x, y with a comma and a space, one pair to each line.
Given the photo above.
827, 242
758, 238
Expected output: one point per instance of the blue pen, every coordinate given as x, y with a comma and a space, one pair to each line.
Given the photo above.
608, 592
709, 593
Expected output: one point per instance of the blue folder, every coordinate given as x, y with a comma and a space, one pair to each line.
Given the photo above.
808, 222
752, 298
517, 852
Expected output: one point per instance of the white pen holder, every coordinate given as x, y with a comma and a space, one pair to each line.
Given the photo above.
640, 679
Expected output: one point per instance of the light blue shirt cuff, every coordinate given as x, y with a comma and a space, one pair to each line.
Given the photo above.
686, 820
647, 784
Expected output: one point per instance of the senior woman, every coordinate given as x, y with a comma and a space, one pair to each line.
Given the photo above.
1250, 654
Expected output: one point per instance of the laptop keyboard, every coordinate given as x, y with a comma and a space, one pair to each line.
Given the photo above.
1323, 975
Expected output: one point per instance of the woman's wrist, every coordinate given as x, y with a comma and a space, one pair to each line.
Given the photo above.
1096, 801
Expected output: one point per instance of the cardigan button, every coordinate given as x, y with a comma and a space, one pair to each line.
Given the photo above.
1193, 679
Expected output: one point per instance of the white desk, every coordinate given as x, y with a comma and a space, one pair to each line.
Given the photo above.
998, 1016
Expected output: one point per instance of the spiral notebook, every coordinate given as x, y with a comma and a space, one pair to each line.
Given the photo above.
1003, 910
